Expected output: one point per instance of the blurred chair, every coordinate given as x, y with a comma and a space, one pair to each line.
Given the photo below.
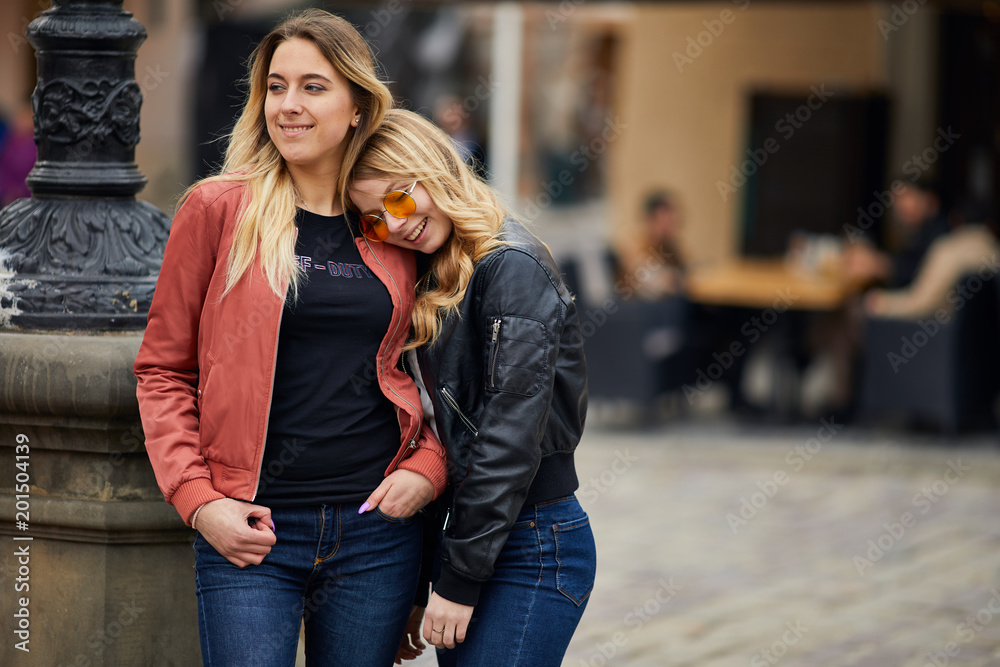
943, 374
636, 350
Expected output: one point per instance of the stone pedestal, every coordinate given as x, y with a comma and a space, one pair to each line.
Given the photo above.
96, 568
107, 576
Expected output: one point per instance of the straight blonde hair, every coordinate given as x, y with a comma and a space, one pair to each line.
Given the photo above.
267, 222
406, 147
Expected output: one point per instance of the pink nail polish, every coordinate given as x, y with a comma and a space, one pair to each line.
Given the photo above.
272, 525
363, 508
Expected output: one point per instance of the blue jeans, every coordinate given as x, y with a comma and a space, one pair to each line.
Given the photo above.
542, 579
350, 577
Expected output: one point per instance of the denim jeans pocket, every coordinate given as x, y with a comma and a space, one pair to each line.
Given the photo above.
394, 519
576, 559
206, 556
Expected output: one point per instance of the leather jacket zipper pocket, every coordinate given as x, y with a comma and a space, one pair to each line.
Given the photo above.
453, 404
494, 352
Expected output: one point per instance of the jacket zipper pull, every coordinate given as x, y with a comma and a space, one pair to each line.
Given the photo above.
496, 350
413, 444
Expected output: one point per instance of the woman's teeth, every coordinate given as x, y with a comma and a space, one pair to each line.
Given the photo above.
416, 232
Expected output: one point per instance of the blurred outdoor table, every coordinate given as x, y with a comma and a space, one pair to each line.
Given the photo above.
756, 283
771, 287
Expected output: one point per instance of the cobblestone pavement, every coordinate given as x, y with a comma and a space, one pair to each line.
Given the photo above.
722, 544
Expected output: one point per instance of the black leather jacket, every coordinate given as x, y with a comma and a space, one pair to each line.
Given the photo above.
508, 382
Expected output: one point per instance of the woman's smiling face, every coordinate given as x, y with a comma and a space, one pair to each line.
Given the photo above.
426, 229
308, 108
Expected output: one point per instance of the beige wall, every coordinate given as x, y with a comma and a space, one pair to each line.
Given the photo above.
164, 69
686, 128
17, 62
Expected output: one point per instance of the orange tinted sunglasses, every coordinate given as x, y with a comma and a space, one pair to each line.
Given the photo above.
398, 204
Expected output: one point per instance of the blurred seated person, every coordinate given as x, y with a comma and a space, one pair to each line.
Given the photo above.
917, 210
972, 248
654, 266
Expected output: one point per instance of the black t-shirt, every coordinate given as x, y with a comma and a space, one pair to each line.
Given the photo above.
331, 432
906, 263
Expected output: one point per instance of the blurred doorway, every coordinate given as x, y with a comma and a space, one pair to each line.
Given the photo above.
969, 102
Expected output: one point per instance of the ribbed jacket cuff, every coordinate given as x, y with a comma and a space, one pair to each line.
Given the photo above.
452, 586
191, 495
429, 464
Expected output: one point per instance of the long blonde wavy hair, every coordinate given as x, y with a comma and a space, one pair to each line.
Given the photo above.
268, 218
407, 147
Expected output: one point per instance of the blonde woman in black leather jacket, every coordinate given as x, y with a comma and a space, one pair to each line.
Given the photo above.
500, 352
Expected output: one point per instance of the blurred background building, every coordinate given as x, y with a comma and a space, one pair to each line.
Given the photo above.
777, 130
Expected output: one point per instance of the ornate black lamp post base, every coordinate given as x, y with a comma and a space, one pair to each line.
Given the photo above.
80, 263
82, 253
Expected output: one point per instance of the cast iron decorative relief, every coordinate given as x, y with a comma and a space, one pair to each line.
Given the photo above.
93, 109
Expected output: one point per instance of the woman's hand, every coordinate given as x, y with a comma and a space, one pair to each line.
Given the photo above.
401, 494
451, 617
411, 646
224, 523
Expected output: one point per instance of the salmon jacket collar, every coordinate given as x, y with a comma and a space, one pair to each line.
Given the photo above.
205, 368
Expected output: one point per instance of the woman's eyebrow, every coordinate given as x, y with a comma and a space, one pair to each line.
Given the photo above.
275, 75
